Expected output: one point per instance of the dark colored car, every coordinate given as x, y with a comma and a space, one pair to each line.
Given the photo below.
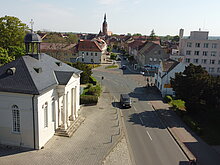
123, 67
125, 101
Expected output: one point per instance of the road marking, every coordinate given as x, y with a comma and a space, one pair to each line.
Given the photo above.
141, 121
135, 108
149, 135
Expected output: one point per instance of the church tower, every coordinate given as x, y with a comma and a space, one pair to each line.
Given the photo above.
104, 26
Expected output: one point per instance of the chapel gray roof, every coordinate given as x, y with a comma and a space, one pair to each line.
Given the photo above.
63, 77
26, 78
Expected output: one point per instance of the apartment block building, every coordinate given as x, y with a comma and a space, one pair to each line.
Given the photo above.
200, 49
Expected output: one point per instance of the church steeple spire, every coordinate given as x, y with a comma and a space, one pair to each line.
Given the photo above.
104, 26
105, 18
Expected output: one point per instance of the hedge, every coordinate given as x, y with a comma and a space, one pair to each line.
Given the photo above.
88, 99
94, 90
92, 80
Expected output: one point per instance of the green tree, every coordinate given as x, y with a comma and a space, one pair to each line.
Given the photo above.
152, 35
16, 51
176, 38
55, 38
113, 56
12, 32
87, 71
4, 58
72, 38
191, 87
137, 34
109, 49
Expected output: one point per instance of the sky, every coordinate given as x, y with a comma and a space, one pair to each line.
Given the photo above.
166, 17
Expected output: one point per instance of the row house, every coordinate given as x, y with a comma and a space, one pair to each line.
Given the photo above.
150, 54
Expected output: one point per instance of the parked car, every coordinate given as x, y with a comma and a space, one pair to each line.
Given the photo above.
123, 67
125, 101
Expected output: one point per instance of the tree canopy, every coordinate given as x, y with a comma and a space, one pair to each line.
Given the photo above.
87, 71
137, 34
12, 33
197, 88
152, 35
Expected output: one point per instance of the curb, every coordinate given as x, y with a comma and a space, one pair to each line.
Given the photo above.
182, 146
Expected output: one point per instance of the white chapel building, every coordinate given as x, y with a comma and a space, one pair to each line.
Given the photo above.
38, 95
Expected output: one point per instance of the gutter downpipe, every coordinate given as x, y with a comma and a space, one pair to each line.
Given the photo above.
33, 122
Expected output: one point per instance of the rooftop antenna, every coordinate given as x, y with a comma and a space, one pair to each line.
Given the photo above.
32, 25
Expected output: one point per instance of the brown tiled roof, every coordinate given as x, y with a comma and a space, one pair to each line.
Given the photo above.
56, 46
168, 65
136, 44
88, 45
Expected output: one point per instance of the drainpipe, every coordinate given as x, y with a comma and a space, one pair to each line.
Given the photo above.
33, 122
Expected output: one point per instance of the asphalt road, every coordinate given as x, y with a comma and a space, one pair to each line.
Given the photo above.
150, 142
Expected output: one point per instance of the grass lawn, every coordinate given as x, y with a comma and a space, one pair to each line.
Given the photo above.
111, 66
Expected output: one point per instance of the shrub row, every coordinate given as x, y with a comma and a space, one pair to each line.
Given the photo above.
94, 90
92, 80
88, 99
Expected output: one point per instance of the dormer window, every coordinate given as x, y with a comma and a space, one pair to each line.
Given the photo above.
59, 63
11, 71
38, 70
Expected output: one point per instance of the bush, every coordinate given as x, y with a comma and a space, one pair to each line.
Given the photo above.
88, 99
168, 99
88, 86
94, 90
113, 56
178, 104
92, 80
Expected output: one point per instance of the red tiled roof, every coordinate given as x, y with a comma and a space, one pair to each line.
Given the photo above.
88, 45
136, 43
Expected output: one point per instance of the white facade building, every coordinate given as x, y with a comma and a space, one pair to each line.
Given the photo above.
38, 95
92, 51
198, 49
165, 72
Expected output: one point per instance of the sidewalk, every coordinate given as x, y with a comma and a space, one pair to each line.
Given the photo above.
189, 142
89, 145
